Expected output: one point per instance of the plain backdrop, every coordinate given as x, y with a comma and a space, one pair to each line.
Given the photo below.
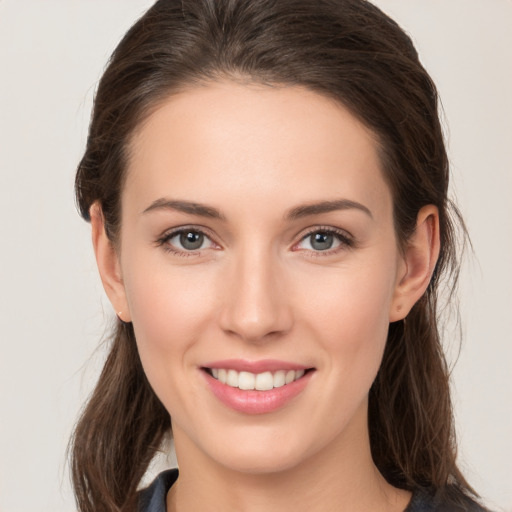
52, 309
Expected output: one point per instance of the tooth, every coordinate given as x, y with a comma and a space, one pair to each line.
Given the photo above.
232, 378
246, 380
290, 376
279, 378
222, 375
264, 381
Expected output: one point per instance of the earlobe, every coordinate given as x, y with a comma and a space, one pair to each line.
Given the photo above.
107, 260
420, 260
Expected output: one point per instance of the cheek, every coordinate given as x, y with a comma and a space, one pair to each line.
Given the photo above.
350, 316
169, 309
164, 299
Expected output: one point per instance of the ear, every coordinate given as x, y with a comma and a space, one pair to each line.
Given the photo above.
109, 267
419, 261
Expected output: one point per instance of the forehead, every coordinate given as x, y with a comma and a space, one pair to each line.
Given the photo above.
222, 140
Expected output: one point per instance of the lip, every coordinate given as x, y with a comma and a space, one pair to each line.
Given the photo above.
264, 365
253, 401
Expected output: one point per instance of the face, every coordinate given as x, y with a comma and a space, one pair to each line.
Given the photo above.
260, 270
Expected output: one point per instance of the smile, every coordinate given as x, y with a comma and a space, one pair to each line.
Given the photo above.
256, 387
256, 381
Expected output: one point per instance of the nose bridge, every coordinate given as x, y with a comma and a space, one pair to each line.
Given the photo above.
255, 303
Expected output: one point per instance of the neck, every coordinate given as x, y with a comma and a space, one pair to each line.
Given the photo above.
342, 476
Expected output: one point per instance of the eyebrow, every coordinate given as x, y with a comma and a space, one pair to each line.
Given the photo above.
185, 207
298, 212
326, 207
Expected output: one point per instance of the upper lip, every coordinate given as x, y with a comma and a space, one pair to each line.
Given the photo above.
264, 365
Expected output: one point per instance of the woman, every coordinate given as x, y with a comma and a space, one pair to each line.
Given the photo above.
267, 187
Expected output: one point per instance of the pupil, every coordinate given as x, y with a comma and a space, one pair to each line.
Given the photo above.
191, 240
322, 241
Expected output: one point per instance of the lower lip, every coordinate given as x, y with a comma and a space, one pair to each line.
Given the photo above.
256, 402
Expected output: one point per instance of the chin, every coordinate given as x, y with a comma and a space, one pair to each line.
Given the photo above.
259, 455
260, 463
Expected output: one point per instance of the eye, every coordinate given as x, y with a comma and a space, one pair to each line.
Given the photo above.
186, 240
324, 240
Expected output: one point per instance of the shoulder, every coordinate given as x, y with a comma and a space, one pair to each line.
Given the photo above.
152, 498
449, 499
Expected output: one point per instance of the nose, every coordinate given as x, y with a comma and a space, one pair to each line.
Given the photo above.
255, 306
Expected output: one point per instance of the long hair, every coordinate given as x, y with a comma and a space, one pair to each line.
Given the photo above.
343, 49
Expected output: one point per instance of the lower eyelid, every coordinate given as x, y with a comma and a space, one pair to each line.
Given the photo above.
345, 241
169, 235
206, 239
343, 238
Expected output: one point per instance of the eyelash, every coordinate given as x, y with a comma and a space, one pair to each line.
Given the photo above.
346, 241
163, 240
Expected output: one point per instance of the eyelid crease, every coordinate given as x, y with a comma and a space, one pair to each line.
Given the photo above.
168, 233
162, 240
327, 229
345, 238
347, 241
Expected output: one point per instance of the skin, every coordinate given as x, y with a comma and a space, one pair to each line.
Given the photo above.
257, 289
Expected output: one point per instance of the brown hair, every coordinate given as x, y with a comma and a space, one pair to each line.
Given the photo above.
345, 49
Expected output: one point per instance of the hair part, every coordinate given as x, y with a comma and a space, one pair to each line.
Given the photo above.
347, 50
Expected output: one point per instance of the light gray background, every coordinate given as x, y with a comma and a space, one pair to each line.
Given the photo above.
52, 308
